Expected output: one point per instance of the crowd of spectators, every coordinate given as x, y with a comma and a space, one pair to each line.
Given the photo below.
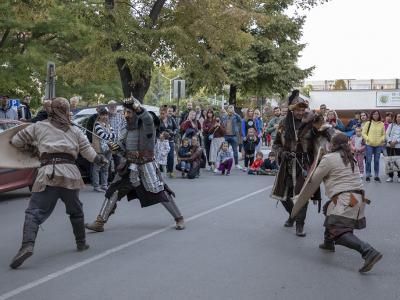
218, 139
370, 135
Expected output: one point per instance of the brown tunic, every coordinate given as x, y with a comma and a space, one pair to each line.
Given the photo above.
347, 209
49, 139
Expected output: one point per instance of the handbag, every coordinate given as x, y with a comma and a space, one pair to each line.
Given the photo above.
392, 164
211, 136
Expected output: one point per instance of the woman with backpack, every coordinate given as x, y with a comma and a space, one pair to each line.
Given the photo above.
374, 135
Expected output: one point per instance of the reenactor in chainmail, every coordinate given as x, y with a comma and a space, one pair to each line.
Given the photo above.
138, 175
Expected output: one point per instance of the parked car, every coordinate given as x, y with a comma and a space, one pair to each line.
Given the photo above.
12, 179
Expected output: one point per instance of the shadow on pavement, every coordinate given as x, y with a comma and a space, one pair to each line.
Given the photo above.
12, 195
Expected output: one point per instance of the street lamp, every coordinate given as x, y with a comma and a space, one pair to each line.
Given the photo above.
170, 84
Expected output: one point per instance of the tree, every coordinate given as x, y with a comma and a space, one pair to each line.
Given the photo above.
340, 84
268, 62
269, 66
187, 34
34, 32
305, 90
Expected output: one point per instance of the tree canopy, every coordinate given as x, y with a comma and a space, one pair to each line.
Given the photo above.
114, 46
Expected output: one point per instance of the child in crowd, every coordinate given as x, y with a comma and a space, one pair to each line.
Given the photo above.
225, 159
256, 165
249, 145
357, 146
184, 152
161, 151
269, 166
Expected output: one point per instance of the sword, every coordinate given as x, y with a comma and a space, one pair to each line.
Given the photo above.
83, 128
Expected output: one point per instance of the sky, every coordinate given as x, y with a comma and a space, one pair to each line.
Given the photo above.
353, 39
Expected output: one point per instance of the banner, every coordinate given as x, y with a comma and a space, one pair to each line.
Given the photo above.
388, 98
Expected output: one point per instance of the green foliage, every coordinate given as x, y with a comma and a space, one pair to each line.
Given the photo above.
34, 32
340, 84
305, 90
96, 47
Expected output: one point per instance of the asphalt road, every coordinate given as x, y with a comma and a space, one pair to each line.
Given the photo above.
234, 247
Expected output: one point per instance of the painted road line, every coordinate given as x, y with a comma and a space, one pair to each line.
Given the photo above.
116, 249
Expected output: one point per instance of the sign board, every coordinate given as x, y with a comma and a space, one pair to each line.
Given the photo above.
14, 103
179, 89
389, 98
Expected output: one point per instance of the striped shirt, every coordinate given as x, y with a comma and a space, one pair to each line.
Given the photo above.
103, 131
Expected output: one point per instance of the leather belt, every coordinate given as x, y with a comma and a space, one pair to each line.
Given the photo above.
56, 159
360, 192
353, 200
140, 157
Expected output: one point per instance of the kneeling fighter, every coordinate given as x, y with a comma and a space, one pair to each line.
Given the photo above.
58, 144
345, 211
138, 176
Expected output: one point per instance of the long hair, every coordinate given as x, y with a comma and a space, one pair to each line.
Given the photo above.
210, 111
340, 143
294, 94
395, 118
372, 112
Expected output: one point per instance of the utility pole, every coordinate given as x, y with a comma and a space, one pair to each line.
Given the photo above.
170, 84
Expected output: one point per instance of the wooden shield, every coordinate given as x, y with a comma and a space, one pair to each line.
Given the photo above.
10, 156
305, 194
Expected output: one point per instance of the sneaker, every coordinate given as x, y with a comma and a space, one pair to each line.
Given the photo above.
239, 167
216, 171
104, 188
390, 179
244, 170
228, 173
98, 190
223, 172
367, 179
171, 175
377, 179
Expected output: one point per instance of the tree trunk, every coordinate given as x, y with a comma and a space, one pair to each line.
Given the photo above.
232, 94
137, 88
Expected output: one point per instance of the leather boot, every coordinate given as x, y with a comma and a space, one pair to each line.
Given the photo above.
371, 258
328, 246
28, 241
180, 223
328, 243
97, 225
289, 222
300, 230
78, 227
368, 253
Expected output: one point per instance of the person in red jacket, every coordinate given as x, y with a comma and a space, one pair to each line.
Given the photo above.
256, 165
